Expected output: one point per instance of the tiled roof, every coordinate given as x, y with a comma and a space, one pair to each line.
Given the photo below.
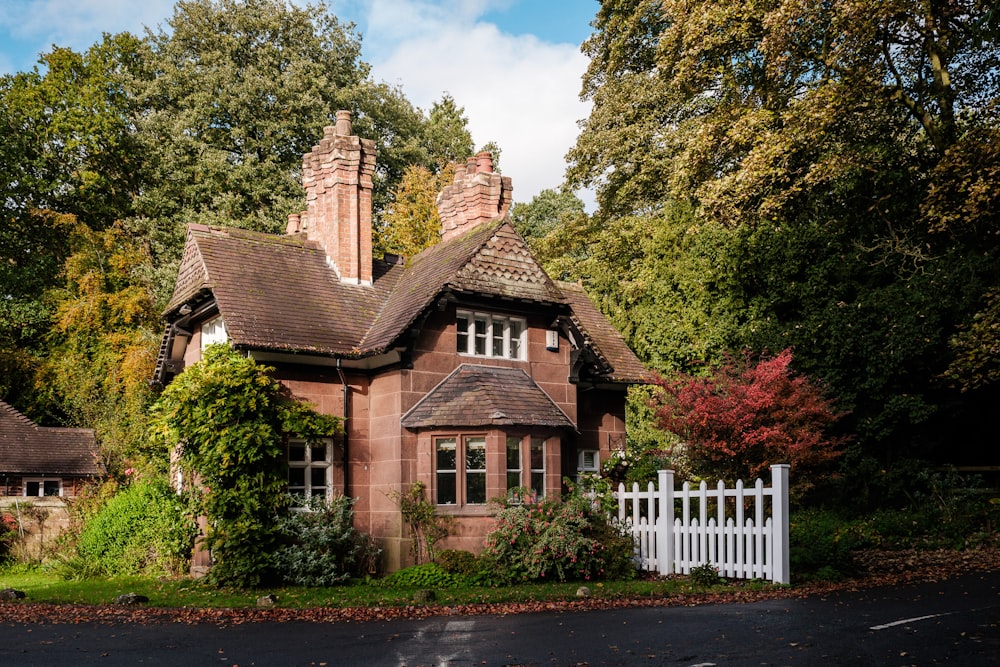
278, 292
486, 396
29, 449
604, 339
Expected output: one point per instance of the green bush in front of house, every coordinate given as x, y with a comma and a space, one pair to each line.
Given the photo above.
143, 529
321, 547
556, 540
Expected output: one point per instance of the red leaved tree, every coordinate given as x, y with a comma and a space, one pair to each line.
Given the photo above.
747, 416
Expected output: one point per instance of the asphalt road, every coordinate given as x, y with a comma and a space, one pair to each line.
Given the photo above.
954, 622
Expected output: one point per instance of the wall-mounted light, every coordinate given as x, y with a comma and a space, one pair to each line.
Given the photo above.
552, 340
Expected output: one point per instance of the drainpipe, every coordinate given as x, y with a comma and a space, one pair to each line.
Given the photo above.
343, 383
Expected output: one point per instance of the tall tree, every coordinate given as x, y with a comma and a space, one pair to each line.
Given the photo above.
67, 156
842, 155
447, 135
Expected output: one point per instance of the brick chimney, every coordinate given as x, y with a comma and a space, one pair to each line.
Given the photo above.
476, 196
337, 177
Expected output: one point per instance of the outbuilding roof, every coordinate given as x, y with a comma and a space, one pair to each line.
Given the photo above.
29, 449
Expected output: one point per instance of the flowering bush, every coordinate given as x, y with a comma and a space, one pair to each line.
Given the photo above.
747, 416
557, 540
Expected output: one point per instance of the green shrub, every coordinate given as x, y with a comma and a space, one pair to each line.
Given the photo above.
427, 575
455, 561
8, 535
143, 529
820, 544
321, 546
556, 540
705, 575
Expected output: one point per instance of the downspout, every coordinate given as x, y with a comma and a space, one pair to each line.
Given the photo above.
343, 383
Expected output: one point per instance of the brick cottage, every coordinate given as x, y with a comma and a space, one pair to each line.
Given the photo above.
465, 367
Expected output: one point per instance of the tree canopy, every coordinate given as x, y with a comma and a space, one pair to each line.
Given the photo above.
824, 176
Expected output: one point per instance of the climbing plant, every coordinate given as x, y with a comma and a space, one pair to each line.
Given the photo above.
226, 419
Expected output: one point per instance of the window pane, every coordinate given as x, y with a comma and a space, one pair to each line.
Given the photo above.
318, 453
475, 488
498, 338
446, 454
317, 478
31, 488
538, 483
513, 453
515, 329
537, 454
296, 478
51, 487
446, 488
462, 332
513, 479
475, 454
480, 337
296, 452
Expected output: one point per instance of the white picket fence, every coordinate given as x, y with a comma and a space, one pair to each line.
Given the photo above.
729, 528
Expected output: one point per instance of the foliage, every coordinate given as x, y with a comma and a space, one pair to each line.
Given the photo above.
748, 416
102, 347
425, 575
143, 529
426, 527
320, 544
537, 218
227, 419
8, 535
455, 561
447, 134
820, 544
557, 540
706, 575
977, 348
412, 223
777, 174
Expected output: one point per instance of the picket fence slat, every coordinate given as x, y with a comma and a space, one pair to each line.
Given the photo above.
751, 542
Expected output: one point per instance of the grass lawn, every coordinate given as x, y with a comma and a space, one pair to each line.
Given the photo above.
43, 587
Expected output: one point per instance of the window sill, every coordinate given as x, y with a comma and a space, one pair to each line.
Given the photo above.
463, 510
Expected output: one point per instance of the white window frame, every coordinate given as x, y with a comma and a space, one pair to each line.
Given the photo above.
308, 465
591, 465
41, 486
530, 476
213, 331
494, 333
461, 472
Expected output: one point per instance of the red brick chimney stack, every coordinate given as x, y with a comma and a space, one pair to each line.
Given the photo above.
337, 177
476, 196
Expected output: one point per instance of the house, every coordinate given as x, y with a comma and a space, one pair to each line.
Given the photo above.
43, 461
465, 367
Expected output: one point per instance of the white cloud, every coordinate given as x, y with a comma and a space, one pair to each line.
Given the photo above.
517, 91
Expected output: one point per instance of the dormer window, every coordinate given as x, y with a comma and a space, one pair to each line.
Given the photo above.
488, 335
213, 331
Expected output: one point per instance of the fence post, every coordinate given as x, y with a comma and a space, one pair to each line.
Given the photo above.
779, 511
665, 523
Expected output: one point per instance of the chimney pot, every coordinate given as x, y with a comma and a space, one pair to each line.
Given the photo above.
344, 123
484, 163
294, 223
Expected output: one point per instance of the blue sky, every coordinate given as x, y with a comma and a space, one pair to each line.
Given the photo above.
514, 65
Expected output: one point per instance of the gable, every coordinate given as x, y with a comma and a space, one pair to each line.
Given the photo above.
490, 260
